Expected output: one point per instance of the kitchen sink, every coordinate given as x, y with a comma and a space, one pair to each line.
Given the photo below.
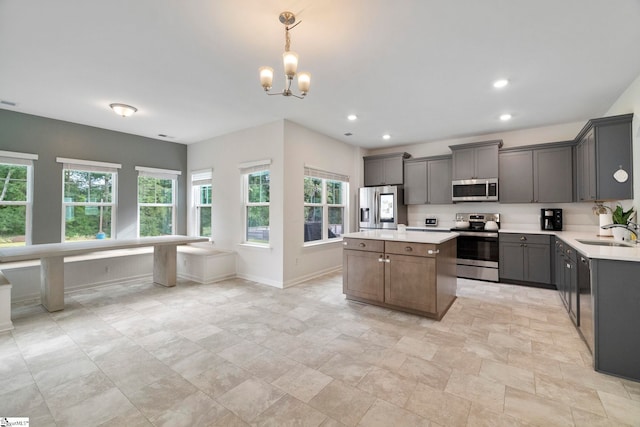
605, 243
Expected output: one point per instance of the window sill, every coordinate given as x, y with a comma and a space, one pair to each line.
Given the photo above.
321, 243
254, 246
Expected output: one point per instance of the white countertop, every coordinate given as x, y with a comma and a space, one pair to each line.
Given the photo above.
406, 236
31, 252
590, 251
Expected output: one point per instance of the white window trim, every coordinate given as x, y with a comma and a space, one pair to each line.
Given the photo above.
87, 165
325, 176
90, 166
247, 169
22, 159
200, 178
159, 174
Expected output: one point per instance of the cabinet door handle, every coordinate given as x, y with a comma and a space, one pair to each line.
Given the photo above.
568, 265
569, 251
408, 249
362, 245
523, 238
345, 243
431, 251
381, 259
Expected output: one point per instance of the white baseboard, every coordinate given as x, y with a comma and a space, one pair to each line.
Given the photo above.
210, 279
301, 279
6, 326
262, 280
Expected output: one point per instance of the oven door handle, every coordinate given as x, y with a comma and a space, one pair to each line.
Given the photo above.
476, 234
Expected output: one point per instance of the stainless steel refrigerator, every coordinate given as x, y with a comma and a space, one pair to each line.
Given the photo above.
382, 207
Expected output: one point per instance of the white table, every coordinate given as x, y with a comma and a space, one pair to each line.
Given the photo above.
51, 256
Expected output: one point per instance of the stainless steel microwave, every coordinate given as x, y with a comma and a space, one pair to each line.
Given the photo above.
475, 190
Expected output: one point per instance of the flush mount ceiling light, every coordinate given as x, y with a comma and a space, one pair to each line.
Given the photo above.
352, 117
386, 136
505, 117
123, 110
290, 60
500, 83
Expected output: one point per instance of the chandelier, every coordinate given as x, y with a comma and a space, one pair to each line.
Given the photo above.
290, 60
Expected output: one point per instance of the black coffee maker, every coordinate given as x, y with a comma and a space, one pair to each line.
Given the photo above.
551, 219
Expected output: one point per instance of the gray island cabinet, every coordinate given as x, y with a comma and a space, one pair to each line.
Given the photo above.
412, 272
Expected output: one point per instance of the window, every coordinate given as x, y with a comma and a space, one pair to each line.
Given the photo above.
16, 186
325, 205
88, 200
257, 180
156, 201
201, 183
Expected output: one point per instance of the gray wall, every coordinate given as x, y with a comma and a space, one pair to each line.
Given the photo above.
50, 138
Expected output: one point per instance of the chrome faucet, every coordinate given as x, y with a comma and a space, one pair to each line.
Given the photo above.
631, 226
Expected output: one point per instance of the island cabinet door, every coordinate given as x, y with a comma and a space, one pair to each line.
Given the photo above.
411, 282
363, 274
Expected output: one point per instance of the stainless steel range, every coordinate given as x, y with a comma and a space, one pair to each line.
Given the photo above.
478, 245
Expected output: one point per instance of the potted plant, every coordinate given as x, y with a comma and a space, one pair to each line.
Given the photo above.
620, 216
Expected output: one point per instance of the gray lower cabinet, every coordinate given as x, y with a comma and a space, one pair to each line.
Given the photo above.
616, 297
427, 180
537, 175
603, 146
525, 258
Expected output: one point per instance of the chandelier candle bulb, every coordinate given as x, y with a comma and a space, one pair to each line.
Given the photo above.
304, 81
290, 60
266, 77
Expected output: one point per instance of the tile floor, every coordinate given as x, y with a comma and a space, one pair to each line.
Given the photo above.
236, 353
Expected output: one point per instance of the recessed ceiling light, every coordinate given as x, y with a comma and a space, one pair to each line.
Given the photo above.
505, 117
386, 136
348, 134
352, 117
500, 83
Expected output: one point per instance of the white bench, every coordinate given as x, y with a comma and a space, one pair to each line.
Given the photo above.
5, 304
51, 257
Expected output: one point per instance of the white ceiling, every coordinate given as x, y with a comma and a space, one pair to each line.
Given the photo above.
421, 70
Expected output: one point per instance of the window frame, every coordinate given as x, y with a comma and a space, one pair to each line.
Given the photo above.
247, 169
200, 179
12, 158
166, 174
325, 177
95, 167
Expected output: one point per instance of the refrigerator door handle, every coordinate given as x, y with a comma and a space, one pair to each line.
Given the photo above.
376, 213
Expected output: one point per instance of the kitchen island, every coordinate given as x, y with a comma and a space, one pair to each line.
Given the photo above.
410, 271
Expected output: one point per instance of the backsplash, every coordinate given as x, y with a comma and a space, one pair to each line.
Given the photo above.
576, 216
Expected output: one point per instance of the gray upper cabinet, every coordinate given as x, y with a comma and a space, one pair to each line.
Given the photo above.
415, 183
604, 146
477, 160
537, 175
439, 180
516, 177
384, 169
553, 174
427, 180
